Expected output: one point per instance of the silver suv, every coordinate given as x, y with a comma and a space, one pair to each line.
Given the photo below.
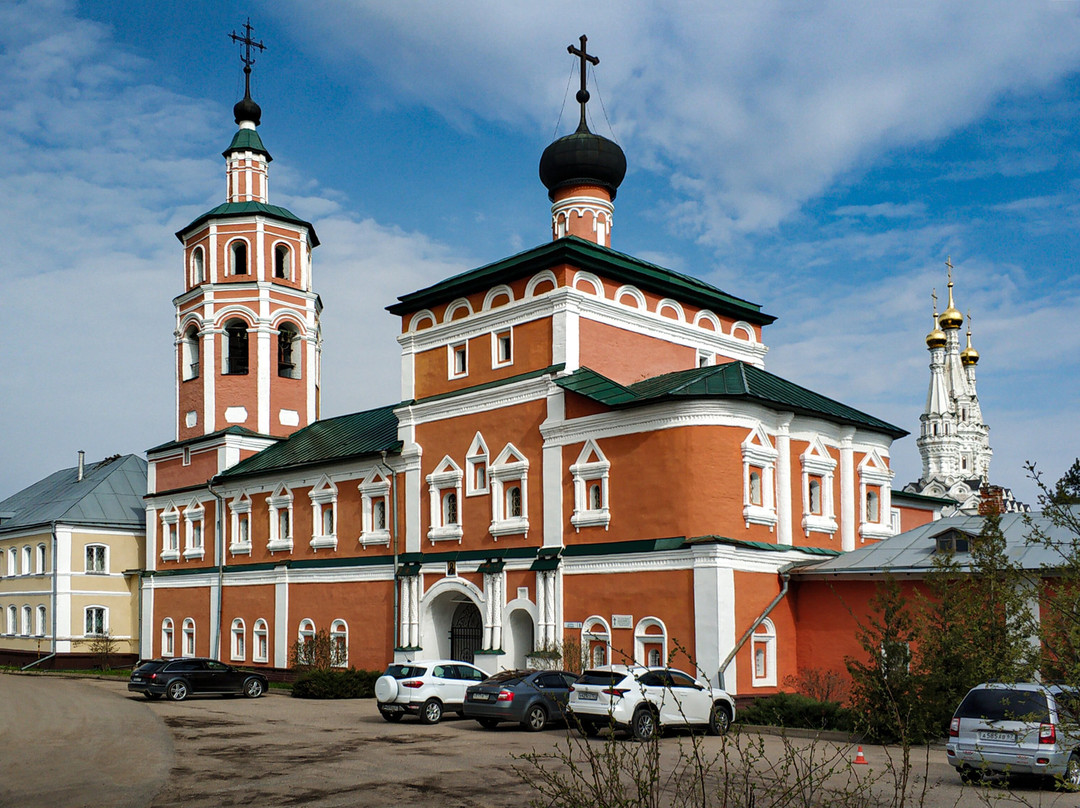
1017, 729
425, 688
645, 700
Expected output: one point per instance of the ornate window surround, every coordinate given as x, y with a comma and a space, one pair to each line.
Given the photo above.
510, 467
817, 462
591, 466
445, 479
758, 452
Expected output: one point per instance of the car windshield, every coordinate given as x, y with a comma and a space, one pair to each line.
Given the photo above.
601, 678
404, 671
1001, 704
153, 664
505, 678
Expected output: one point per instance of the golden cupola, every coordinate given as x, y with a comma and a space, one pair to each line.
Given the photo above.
936, 337
969, 356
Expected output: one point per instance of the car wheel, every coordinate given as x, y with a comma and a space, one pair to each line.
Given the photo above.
535, 719
177, 690
719, 719
643, 725
1070, 781
151, 696
253, 688
393, 718
431, 712
488, 723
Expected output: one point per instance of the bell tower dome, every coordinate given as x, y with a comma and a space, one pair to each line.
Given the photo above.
247, 323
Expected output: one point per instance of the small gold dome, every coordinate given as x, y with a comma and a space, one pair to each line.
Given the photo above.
969, 356
936, 338
951, 317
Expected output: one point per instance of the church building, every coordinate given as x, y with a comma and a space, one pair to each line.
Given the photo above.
588, 456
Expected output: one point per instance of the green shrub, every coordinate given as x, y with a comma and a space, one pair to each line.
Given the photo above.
795, 710
336, 684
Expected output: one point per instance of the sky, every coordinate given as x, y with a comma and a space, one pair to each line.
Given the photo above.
823, 159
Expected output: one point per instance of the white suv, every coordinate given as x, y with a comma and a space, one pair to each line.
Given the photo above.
645, 700
425, 688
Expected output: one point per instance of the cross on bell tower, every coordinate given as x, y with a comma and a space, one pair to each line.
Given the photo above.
583, 93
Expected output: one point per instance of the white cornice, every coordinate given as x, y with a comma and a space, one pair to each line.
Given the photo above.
505, 395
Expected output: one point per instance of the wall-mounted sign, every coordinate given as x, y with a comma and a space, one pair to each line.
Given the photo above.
572, 624
622, 621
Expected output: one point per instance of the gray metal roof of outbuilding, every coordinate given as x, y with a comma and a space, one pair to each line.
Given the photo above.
110, 494
913, 552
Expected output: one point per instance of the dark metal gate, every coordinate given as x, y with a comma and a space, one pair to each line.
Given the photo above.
466, 632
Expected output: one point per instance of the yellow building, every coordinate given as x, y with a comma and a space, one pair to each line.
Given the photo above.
71, 550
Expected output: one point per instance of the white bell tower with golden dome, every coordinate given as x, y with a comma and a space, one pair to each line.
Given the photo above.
953, 441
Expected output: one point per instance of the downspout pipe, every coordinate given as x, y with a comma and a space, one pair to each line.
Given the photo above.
785, 578
219, 553
397, 591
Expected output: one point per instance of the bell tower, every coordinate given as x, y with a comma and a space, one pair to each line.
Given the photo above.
247, 332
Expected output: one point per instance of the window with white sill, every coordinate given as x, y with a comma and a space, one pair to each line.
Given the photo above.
476, 467
818, 474
240, 524
650, 642
26, 614
457, 360
509, 477
875, 500
281, 513
261, 638
444, 492
239, 641
763, 649
374, 509
305, 642
168, 648
188, 638
97, 559
170, 534
591, 472
95, 621
42, 554
339, 644
193, 529
324, 497
596, 640
41, 624
759, 478
502, 348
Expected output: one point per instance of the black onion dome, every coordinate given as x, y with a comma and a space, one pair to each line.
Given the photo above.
247, 110
582, 158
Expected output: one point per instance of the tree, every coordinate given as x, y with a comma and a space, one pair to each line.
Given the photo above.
319, 652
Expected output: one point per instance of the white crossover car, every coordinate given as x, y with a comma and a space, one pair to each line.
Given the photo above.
426, 688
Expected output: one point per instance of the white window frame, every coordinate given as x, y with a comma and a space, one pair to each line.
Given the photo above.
875, 474
187, 638
510, 468
42, 563
27, 560
817, 462
91, 568
305, 632
27, 620
288, 265
643, 639
41, 621
12, 620
339, 644
375, 488
168, 638
323, 496
97, 609
475, 459
239, 514
281, 500
591, 466
170, 534
445, 479
13, 561
765, 641
230, 255
194, 533
238, 641
453, 350
497, 338
589, 634
190, 361
260, 638
758, 452
198, 265
705, 358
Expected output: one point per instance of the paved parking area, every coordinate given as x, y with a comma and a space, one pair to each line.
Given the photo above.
72, 742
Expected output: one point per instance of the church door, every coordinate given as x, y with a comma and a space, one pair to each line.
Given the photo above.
466, 632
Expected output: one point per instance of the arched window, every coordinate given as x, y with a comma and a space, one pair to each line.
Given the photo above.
39, 628
12, 618
755, 487
305, 640
596, 497
328, 520
25, 621
763, 648
873, 508
190, 354
282, 262
41, 552
513, 501
650, 642
239, 651
261, 651
449, 506
238, 257
27, 560
655, 658
378, 514
167, 646
236, 347
815, 496
189, 637
288, 352
339, 644
596, 637
198, 266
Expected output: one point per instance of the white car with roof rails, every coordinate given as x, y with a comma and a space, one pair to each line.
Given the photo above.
425, 688
644, 701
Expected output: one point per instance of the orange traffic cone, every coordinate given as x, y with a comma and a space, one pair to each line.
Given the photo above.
859, 757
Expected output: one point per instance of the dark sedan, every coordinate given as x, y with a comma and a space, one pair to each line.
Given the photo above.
530, 698
176, 679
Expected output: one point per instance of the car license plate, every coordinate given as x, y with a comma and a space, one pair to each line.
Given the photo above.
585, 695
1007, 737
136, 678
392, 708
481, 697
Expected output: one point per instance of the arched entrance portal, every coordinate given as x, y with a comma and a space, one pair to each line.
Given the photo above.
466, 632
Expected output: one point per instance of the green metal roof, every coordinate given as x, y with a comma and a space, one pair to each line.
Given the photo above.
729, 380
235, 210
229, 430
586, 255
761, 545
247, 140
922, 498
110, 494
326, 441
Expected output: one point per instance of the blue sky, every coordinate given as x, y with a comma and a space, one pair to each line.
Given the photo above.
821, 158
